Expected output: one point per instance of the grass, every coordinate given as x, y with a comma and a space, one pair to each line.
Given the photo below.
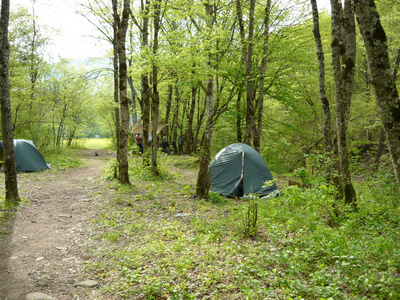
153, 240
90, 143
158, 242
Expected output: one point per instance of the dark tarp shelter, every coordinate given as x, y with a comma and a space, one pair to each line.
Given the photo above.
27, 156
239, 170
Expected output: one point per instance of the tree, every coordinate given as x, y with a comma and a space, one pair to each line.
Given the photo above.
123, 128
383, 82
247, 56
67, 102
261, 82
11, 183
343, 61
321, 80
203, 178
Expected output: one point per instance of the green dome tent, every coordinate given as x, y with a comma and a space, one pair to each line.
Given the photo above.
239, 170
27, 156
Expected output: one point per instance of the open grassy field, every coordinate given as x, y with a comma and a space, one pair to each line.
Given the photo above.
93, 143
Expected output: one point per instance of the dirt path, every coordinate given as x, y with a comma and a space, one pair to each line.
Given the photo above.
45, 246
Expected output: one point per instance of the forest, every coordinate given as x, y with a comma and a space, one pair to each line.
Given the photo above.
312, 90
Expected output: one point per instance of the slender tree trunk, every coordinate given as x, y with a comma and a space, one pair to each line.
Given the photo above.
189, 134
116, 76
263, 67
343, 61
133, 102
203, 178
168, 109
322, 92
123, 174
11, 183
176, 114
146, 96
200, 116
155, 95
239, 116
247, 54
383, 83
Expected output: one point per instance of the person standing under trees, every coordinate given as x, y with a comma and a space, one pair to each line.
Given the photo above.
139, 142
181, 143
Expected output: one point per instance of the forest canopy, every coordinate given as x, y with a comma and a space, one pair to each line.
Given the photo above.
274, 66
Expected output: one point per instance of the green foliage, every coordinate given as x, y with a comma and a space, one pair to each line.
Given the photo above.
62, 158
303, 244
216, 198
304, 175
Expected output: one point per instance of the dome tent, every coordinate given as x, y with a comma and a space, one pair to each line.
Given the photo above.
238, 170
27, 156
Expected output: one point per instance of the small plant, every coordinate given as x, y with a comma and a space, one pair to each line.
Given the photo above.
216, 198
110, 172
251, 217
304, 176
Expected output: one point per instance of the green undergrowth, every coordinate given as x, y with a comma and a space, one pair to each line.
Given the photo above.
156, 241
62, 158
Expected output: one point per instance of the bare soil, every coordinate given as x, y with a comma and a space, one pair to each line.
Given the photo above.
43, 246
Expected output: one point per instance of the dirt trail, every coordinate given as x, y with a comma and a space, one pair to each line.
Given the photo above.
45, 246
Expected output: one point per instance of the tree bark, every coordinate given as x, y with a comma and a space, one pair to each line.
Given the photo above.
239, 116
155, 95
247, 56
189, 134
263, 67
383, 137
146, 93
11, 183
116, 76
343, 61
384, 85
122, 146
321, 80
203, 178
327, 129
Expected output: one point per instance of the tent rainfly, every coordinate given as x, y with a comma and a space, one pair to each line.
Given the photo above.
239, 170
138, 128
27, 156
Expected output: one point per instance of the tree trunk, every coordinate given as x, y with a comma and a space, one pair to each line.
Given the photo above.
343, 61
203, 178
384, 86
176, 113
239, 116
122, 155
146, 96
11, 183
263, 67
247, 55
116, 75
168, 108
322, 93
155, 95
189, 134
